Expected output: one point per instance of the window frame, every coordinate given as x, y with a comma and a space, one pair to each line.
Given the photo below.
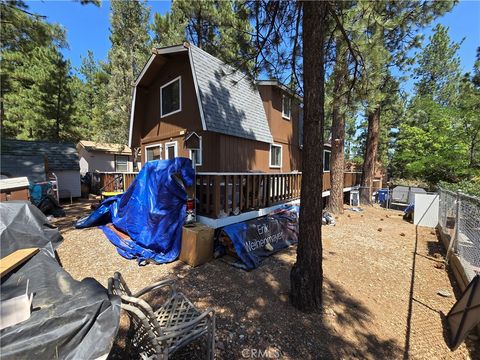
179, 79
284, 115
329, 160
175, 146
115, 156
201, 153
151, 146
270, 156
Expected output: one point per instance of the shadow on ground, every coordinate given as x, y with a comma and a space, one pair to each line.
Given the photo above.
253, 313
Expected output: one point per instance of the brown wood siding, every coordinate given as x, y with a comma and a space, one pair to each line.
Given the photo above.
221, 153
160, 130
284, 132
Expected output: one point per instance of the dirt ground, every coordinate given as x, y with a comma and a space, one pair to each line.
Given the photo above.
381, 296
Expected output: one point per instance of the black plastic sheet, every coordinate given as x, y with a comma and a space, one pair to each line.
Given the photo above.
70, 319
23, 225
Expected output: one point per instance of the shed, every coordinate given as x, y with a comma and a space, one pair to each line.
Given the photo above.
60, 159
14, 189
104, 157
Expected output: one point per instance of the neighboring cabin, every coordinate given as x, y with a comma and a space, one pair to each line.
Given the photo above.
242, 127
104, 157
38, 159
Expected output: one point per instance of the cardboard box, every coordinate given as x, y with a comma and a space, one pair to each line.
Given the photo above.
197, 244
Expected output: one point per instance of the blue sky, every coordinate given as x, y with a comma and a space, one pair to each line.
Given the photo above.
88, 27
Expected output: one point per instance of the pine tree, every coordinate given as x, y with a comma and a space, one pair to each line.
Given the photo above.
438, 70
57, 100
219, 27
438, 136
339, 109
127, 56
387, 41
306, 276
22, 34
40, 104
90, 99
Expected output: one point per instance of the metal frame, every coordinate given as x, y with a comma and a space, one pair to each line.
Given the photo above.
160, 332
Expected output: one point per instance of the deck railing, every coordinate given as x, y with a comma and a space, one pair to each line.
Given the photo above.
350, 179
223, 194
111, 181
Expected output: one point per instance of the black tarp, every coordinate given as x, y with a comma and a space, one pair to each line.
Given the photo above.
70, 319
24, 226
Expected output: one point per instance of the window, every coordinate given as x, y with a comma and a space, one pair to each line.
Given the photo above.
196, 154
171, 150
326, 160
121, 163
275, 156
171, 97
153, 152
286, 107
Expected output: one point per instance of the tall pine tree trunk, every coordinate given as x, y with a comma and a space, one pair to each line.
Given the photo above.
371, 149
306, 276
337, 167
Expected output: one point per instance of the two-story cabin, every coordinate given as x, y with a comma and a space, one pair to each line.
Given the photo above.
247, 136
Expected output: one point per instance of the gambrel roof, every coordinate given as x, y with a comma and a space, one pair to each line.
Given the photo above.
228, 101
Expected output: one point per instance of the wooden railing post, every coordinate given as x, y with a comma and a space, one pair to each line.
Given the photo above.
225, 207
267, 191
216, 196
247, 205
208, 207
241, 195
234, 192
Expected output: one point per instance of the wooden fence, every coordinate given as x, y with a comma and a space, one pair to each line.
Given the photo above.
111, 181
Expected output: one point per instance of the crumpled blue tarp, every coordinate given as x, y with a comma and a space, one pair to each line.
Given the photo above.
152, 212
410, 208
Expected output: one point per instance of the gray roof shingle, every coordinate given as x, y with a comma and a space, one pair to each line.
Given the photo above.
231, 103
60, 156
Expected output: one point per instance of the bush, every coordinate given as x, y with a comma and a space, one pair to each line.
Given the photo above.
470, 187
410, 182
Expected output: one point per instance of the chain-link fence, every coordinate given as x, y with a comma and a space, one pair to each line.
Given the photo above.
459, 219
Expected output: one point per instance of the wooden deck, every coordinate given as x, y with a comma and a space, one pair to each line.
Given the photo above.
220, 195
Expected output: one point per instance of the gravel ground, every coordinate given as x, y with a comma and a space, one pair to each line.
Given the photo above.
381, 284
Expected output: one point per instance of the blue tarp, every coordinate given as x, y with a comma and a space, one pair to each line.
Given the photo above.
256, 239
151, 212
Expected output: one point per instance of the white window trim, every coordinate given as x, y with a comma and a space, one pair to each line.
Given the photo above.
179, 78
115, 162
201, 153
151, 146
325, 151
285, 116
175, 147
270, 156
